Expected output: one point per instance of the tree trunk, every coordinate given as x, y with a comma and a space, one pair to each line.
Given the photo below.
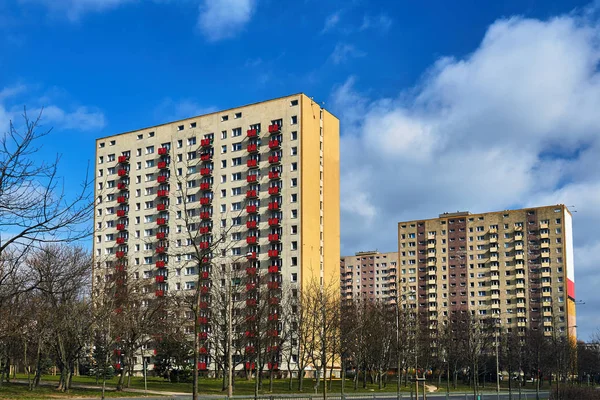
300, 379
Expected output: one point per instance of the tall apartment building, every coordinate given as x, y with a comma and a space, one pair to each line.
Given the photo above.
515, 265
369, 275
266, 173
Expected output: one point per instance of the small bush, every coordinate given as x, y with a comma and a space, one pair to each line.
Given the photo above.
575, 393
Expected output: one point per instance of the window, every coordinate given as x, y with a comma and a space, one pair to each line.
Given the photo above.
191, 141
294, 214
236, 177
223, 178
236, 161
223, 163
192, 125
294, 151
294, 182
223, 149
294, 198
294, 120
294, 166
236, 221
294, 135
224, 118
150, 150
236, 146
293, 103
235, 132
237, 115
236, 191
236, 206
180, 127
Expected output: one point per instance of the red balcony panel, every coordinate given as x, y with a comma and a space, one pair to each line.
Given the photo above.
273, 159
273, 269
249, 334
273, 301
273, 205
120, 254
252, 163
204, 289
205, 260
273, 366
250, 286
252, 148
160, 293
251, 239
203, 305
205, 186
251, 255
160, 264
250, 224
273, 253
160, 249
204, 230
273, 285
201, 366
273, 221
274, 128
163, 151
122, 199
122, 172
159, 278
251, 133
161, 207
251, 302
249, 350
205, 200
273, 190
120, 268
120, 227
204, 245
162, 193
120, 240
273, 144
203, 335
205, 171
250, 209
204, 275
122, 186
203, 350
161, 221
205, 156
117, 366
123, 159
273, 175
162, 164
273, 317
161, 179
203, 320
251, 193
250, 365
250, 318
251, 178
120, 213
161, 235
205, 215
251, 271
205, 142
273, 237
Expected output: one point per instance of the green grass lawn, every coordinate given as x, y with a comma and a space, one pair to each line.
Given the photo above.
9, 391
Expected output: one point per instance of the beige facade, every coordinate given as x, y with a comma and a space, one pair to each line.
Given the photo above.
369, 275
512, 265
267, 174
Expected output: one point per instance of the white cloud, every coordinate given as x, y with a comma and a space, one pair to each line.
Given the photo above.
75, 9
223, 19
513, 124
380, 22
331, 21
344, 51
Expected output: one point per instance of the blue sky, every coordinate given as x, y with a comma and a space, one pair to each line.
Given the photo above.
430, 94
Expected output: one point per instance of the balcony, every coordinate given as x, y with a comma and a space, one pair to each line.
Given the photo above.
160, 264
273, 159
161, 235
250, 194
519, 256
203, 305
273, 253
203, 336
121, 213
273, 269
251, 271
161, 207
204, 275
161, 221
204, 245
251, 302
205, 186
120, 240
249, 350
545, 234
252, 148
159, 293
122, 186
274, 237
162, 193
251, 209
251, 255
250, 365
203, 350
162, 164
205, 215
273, 190
518, 246
205, 201
273, 221
274, 128
205, 143
163, 151
161, 179
274, 144
205, 156
121, 227
252, 163
122, 172
122, 199
205, 171
251, 224
273, 317
203, 320
273, 285
272, 366
274, 206
159, 278
251, 178
494, 257
250, 286
252, 133
251, 240
273, 175
545, 245
123, 159
160, 250
274, 301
